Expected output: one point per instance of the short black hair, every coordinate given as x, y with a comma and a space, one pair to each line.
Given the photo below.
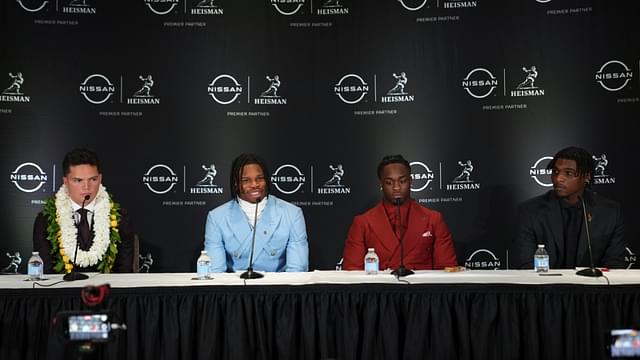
584, 161
392, 159
80, 156
236, 172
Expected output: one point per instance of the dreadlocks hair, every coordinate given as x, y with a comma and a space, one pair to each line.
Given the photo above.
584, 161
392, 159
80, 156
236, 172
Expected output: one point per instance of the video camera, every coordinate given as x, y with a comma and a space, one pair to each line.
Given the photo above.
84, 330
624, 344
89, 325
86, 326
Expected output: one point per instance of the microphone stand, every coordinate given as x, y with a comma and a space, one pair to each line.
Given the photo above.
250, 274
401, 271
592, 271
73, 275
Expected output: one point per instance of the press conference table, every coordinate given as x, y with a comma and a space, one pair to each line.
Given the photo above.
502, 314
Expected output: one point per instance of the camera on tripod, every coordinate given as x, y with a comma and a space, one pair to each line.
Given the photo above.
624, 344
83, 331
86, 326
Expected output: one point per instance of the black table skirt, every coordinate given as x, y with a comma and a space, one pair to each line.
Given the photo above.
334, 321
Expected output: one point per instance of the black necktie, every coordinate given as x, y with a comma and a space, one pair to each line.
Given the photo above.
84, 231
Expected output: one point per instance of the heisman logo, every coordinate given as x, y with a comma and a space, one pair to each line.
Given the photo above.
601, 164
482, 259
270, 95
143, 95
224, 89
207, 180
12, 93
334, 184
206, 184
206, 7
332, 7
351, 89
463, 181
287, 7
479, 83
599, 175
288, 179
397, 93
28, 177
465, 175
145, 90
165, 6
78, 7
413, 5
16, 83
160, 179
527, 87
455, 4
614, 75
539, 172
421, 176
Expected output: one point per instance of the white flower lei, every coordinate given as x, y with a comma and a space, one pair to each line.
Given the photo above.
69, 231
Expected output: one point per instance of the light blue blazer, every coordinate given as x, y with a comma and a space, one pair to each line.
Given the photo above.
281, 238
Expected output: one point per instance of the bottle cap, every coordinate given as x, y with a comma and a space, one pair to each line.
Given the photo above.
203, 252
540, 245
35, 253
371, 249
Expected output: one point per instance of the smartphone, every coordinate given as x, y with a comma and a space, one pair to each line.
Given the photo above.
625, 343
94, 327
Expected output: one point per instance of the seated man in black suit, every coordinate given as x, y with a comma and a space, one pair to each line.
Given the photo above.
556, 219
82, 211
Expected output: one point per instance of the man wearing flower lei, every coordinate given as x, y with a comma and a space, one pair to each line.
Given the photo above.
102, 228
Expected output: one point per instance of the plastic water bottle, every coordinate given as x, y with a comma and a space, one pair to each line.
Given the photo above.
541, 259
34, 266
203, 265
371, 262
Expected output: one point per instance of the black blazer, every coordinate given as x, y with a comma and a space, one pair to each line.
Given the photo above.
540, 222
124, 258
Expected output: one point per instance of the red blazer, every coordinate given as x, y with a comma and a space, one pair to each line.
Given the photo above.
427, 243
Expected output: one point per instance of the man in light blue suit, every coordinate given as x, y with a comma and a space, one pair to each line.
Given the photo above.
281, 235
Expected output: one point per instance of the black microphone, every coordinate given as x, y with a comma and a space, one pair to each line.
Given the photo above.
401, 271
592, 271
250, 274
73, 275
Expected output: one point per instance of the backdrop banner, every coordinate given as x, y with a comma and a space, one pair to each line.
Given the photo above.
477, 95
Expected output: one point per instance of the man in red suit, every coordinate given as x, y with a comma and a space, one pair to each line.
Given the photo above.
426, 238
